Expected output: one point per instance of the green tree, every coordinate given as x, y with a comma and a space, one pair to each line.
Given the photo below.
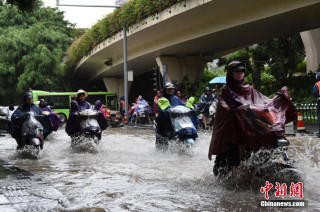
32, 45
284, 53
25, 5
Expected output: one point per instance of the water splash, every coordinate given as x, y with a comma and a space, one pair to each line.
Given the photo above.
129, 174
84, 144
28, 152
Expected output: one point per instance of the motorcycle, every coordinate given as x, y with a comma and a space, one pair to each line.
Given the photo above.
257, 148
90, 131
210, 118
274, 164
142, 114
257, 167
182, 128
34, 130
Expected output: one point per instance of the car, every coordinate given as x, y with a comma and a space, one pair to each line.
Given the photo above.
5, 117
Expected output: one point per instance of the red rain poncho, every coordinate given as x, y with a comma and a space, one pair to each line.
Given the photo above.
244, 116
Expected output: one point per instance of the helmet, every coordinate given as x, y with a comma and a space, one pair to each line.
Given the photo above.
27, 95
236, 66
168, 85
318, 76
208, 89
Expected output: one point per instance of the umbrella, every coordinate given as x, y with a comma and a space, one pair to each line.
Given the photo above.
219, 80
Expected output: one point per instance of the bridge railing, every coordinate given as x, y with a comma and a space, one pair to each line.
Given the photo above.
309, 112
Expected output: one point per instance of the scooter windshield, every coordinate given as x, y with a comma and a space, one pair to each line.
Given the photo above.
181, 118
88, 119
31, 125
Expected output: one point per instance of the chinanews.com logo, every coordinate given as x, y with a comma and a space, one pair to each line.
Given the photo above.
295, 191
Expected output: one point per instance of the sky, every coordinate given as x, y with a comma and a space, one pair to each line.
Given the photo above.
83, 17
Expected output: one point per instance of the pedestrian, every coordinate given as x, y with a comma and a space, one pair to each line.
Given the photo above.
316, 94
122, 107
215, 93
180, 95
155, 103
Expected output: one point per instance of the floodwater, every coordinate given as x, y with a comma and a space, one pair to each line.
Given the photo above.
127, 173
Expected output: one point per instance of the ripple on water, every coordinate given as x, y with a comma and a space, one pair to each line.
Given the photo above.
128, 173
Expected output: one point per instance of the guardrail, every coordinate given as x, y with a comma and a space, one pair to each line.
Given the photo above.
309, 112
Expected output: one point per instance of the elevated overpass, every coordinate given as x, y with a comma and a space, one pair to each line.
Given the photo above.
187, 35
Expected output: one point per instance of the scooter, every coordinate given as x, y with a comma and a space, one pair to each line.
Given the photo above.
210, 118
181, 128
142, 114
90, 131
258, 166
32, 132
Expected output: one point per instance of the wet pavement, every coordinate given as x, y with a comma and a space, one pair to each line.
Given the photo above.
22, 191
127, 173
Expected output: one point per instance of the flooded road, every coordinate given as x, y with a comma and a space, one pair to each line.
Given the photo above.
127, 173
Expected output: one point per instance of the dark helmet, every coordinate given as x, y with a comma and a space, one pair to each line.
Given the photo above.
318, 76
236, 66
27, 95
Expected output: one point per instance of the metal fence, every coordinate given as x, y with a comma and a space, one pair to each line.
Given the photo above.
309, 112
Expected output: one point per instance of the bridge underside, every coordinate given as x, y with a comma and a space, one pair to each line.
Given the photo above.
206, 31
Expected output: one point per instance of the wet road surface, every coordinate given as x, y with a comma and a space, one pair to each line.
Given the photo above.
127, 173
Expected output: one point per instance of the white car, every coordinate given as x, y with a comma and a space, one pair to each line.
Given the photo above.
5, 117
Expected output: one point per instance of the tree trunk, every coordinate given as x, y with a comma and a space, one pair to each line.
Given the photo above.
256, 75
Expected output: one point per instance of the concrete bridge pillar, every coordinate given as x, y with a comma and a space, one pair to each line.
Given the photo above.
175, 69
116, 84
311, 41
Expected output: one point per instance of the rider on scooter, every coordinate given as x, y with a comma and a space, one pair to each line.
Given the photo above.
206, 100
144, 104
80, 104
246, 120
16, 124
54, 118
168, 100
169, 94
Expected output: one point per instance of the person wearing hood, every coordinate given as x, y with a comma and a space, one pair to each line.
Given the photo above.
54, 118
97, 105
27, 105
16, 121
246, 119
